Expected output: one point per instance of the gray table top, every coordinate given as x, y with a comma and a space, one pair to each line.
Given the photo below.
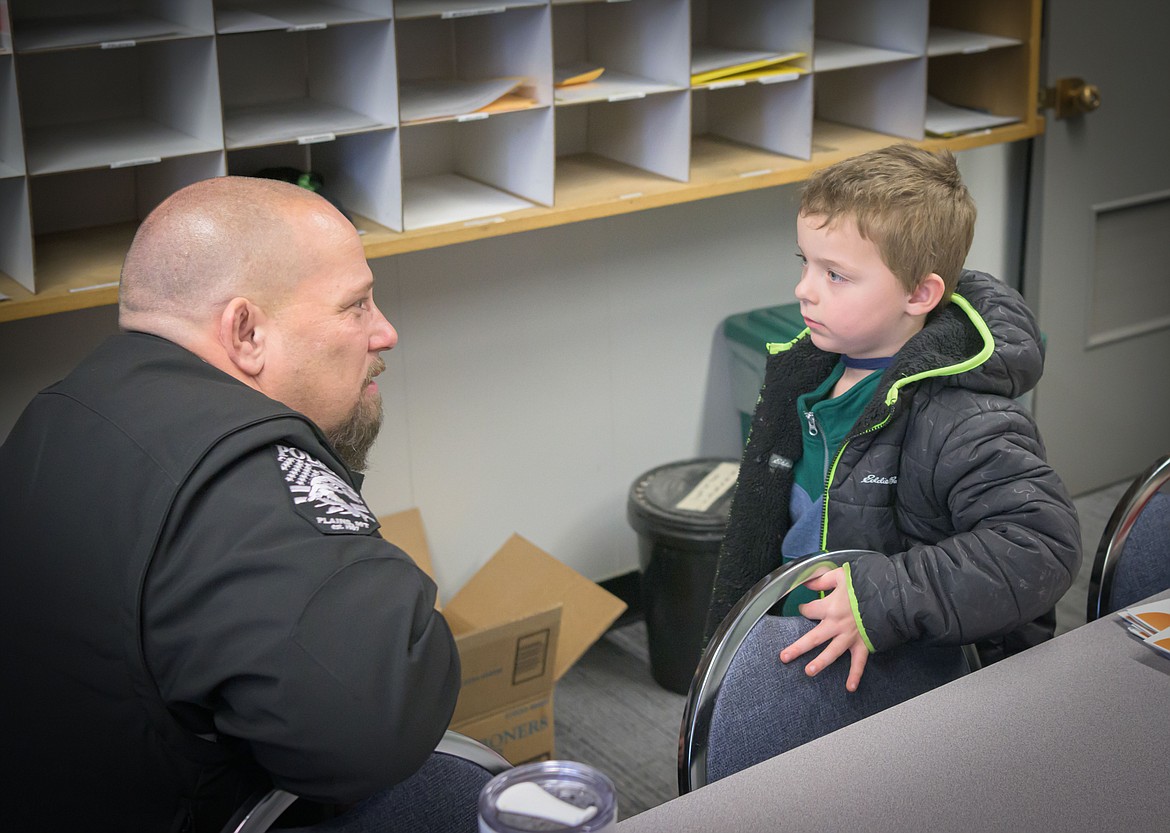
1072, 735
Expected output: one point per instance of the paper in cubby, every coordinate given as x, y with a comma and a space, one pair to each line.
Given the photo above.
942, 40
437, 98
945, 120
567, 75
712, 63
643, 46
489, 63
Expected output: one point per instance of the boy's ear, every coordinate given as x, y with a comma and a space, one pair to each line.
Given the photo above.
927, 295
243, 334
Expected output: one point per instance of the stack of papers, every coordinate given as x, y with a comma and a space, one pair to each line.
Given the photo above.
1151, 624
449, 98
945, 120
711, 64
571, 74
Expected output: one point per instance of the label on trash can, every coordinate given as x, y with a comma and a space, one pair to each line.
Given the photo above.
710, 488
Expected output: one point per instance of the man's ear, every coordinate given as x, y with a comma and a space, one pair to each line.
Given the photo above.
927, 295
243, 334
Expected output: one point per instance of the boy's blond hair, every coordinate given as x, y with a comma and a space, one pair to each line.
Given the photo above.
910, 202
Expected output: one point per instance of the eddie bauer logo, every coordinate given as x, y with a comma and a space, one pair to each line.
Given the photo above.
885, 481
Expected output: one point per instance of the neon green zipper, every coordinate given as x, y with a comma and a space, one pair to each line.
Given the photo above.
892, 395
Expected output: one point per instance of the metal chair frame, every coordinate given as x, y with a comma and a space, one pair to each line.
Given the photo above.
725, 643
721, 650
1117, 530
262, 810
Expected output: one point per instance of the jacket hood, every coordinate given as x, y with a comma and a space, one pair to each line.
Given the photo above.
985, 340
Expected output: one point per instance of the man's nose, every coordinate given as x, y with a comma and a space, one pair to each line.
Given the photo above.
384, 336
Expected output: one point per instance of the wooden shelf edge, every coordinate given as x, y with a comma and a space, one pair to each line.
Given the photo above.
575, 203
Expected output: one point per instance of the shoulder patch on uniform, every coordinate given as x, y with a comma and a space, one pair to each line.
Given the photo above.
321, 496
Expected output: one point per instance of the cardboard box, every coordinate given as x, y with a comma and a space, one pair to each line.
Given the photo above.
520, 623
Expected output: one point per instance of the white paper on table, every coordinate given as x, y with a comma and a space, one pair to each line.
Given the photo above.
1160, 642
1149, 618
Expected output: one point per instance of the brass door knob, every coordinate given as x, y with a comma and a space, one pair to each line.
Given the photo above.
1072, 97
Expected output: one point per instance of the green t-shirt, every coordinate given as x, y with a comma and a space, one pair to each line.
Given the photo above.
825, 423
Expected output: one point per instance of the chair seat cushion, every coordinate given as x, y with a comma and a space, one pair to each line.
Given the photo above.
765, 707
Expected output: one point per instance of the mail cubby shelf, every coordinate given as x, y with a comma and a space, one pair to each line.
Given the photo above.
436, 122
640, 47
100, 204
5, 29
16, 255
750, 73
471, 66
11, 136
774, 115
452, 9
622, 76
477, 172
360, 173
87, 108
66, 24
870, 64
306, 85
856, 33
651, 132
971, 50
242, 16
745, 41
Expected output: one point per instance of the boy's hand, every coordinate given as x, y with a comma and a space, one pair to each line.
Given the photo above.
837, 627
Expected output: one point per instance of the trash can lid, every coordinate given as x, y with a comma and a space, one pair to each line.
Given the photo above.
686, 496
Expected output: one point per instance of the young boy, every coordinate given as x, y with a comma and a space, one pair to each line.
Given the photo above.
890, 424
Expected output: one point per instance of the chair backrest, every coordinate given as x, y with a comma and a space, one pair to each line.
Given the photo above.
457, 770
745, 706
1133, 557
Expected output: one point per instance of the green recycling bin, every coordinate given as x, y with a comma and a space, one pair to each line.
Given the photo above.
746, 334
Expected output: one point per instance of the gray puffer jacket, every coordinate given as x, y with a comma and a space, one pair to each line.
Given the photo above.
944, 473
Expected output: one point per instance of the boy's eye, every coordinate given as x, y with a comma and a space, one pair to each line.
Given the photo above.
835, 278
803, 260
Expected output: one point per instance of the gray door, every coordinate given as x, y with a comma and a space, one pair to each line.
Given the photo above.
1098, 256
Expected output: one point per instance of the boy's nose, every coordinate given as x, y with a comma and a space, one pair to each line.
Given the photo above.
804, 289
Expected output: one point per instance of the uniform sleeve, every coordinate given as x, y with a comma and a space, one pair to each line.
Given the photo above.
1011, 550
320, 649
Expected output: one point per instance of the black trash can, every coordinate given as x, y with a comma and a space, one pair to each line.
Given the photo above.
680, 512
